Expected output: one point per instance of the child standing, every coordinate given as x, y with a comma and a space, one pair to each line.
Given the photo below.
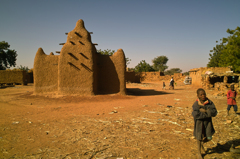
203, 111
163, 87
231, 99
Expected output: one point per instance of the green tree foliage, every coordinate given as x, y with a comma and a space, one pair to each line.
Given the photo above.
128, 60
227, 53
8, 57
186, 73
24, 68
215, 57
172, 71
143, 66
159, 63
111, 52
131, 69
106, 52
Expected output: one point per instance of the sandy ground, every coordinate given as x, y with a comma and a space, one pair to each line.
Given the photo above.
147, 123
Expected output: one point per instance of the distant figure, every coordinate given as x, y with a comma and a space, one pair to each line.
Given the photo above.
231, 99
171, 83
163, 87
203, 111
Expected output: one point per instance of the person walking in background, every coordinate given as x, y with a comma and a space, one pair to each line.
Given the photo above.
171, 83
163, 87
231, 99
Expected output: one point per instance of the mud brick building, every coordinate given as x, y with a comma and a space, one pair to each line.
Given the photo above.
79, 69
218, 78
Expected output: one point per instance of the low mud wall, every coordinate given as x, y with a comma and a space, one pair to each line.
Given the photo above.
15, 77
134, 77
30, 77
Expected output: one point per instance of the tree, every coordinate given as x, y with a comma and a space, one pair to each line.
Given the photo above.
227, 53
215, 56
127, 60
24, 68
111, 52
143, 66
159, 63
8, 57
172, 71
186, 73
106, 52
131, 69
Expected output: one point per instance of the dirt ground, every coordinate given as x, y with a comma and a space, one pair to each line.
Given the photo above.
147, 123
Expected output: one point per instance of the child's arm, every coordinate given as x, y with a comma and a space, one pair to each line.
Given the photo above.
197, 114
228, 95
211, 110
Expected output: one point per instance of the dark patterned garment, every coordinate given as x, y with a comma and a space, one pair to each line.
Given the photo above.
203, 126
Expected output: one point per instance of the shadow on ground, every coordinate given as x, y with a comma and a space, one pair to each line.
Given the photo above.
144, 92
226, 148
178, 89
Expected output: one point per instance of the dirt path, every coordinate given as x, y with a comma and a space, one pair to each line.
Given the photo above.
147, 123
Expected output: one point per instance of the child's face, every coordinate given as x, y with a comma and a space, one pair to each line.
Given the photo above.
232, 87
202, 95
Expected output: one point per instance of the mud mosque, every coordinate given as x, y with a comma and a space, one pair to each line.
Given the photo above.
79, 69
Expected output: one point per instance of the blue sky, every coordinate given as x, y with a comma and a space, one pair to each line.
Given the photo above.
182, 30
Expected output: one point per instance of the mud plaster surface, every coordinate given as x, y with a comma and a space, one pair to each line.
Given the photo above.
140, 125
79, 69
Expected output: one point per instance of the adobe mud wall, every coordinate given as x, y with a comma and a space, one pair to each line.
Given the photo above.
214, 69
133, 77
198, 74
45, 72
30, 77
111, 73
177, 76
15, 77
149, 76
158, 76
79, 69
76, 63
196, 78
